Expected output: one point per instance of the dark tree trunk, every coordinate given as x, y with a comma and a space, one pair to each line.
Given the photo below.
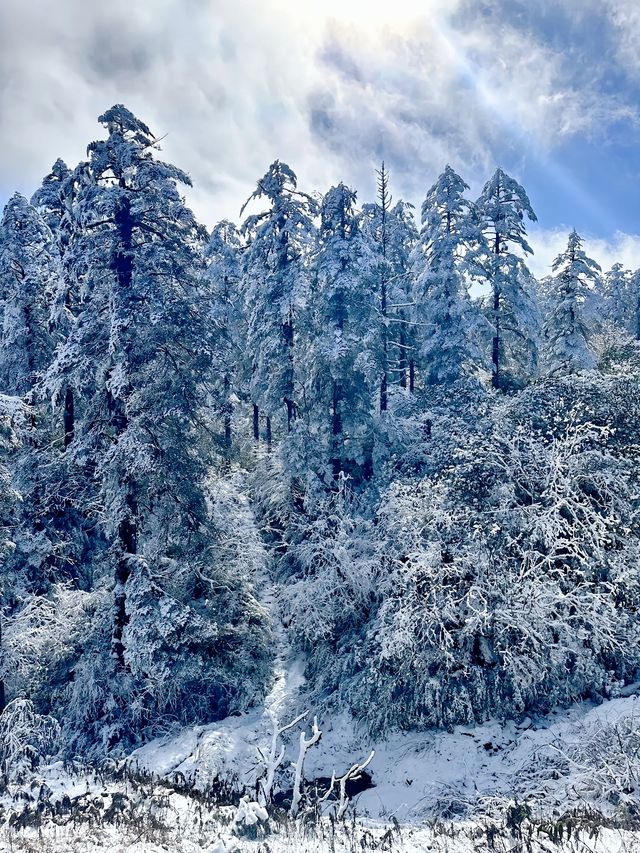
228, 411
256, 423
412, 375
127, 528
336, 431
384, 402
495, 354
402, 361
3, 701
268, 433
496, 379
127, 533
68, 417
287, 331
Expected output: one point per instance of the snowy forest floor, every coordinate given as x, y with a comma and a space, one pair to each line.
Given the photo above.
568, 781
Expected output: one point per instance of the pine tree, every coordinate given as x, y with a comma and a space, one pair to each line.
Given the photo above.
392, 233
502, 208
138, 352
618, 300
447, 323
343, 358
224, 274
54, 201
280, 239
566, 332
28, 273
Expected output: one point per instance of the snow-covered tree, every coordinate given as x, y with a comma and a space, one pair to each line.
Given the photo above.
138, 353
448, 324
280, 239
532, 609
28, 272
502, 208
342, 365
566, 332
224, 274
618, 298
392, 233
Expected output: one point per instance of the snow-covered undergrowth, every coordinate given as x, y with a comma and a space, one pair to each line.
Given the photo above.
570, 781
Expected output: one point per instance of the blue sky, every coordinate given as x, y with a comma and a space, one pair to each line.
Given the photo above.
547, 90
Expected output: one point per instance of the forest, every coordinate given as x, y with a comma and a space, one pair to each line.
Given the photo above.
362, 430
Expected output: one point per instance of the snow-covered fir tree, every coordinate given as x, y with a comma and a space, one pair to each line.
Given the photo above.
448, 325
138, 354
392, 233
617, 300
345, 355
502, 208
566, 332
224, 274
280, 239
28, 272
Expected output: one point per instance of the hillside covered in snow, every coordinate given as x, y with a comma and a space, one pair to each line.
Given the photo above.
319, 532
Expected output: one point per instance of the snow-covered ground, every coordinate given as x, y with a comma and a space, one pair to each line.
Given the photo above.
438, 790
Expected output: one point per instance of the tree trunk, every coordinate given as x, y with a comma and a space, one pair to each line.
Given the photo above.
268, 433
127, 533
256, 423
228, 411
287, 331
402, 361
384, 402
412, 375
336, 431
495, 354
68, 417
3, 701
127, 527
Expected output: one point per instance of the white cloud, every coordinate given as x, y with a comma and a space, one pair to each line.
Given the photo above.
326, 85
549, 243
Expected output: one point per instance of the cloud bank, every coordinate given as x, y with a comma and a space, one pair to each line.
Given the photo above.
330, 87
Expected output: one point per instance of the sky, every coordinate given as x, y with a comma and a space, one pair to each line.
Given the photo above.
549, 90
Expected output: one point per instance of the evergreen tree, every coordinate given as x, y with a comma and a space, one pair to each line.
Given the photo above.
28, 272
55, 202
566, 332
618, 300
224, 273
392, 233
343, 359
401, 240
137, 352
634, 299
447, 323
502, 208
275, 287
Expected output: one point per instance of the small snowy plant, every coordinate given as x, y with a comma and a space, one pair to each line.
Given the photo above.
26, 738
249, 817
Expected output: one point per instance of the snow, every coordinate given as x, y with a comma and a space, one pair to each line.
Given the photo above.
429, 787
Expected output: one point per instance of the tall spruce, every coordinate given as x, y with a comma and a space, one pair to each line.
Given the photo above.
138, 352
280, 239
343, 360
502, 208
566, 331
448, 324
224, 274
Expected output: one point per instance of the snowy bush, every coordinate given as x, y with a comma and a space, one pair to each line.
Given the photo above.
26, 738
